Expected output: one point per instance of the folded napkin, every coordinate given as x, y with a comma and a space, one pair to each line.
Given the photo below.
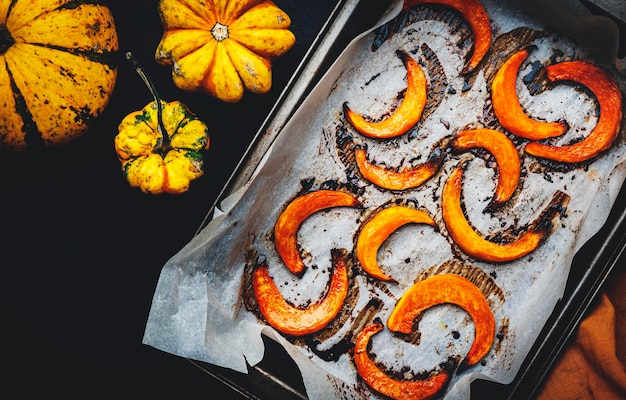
593, 365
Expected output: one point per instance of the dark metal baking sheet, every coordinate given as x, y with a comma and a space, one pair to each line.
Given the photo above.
277, 376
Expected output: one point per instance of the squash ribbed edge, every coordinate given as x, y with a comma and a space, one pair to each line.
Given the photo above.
102, 57
32, 135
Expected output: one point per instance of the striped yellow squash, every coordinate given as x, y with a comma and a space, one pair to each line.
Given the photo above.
57, 70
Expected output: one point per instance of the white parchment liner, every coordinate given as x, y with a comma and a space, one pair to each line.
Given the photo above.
197, 310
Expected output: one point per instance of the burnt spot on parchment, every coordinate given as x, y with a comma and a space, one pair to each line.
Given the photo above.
364, 317
246, 291
345, 317
544, 223
311, 184
507, 44
437, 80
501, 335
434, 12
406, 373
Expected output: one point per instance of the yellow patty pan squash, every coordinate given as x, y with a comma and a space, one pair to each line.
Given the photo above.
222, 47
162, 163
57, 70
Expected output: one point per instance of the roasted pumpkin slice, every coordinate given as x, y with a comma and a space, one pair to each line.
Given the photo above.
508, 109
477, 18
223, 47
408, 112
407, 178
476, 246
505, 154
378, 229
296, 321
447, 289
57, 70
301, 208
609, 98
383, 383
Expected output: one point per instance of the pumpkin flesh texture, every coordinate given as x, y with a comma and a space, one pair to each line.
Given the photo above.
382, 383
506, 156
378, 229
221, 47
447, 289
408, 112
301, 321
138, 148
57, 65
407, 178
508, 109
301, 208
609, 98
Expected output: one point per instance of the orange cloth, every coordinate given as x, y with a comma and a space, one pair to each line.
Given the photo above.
593, 365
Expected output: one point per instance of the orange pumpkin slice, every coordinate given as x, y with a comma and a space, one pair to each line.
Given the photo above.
478, 20
295, 321
508, 109
378, 229
382, 383
609, 98
474, 245
408, 112
407, 178
505, 153
447, 289
289, 221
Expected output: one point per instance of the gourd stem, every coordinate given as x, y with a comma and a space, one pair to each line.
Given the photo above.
165, 145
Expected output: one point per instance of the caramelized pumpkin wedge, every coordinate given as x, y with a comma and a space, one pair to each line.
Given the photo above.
378, 229
382, 383
295, 321
478, 20
407, 178
508, 109
474, 245
609, 98
301, 208
447, 289
408, 112
505, 153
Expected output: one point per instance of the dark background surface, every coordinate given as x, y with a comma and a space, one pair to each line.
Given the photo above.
82, 250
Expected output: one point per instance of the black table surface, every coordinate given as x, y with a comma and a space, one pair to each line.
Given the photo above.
82, 250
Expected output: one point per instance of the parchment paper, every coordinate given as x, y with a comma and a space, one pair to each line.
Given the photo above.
198, 311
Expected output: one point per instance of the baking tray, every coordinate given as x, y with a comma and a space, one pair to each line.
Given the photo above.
277, 376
